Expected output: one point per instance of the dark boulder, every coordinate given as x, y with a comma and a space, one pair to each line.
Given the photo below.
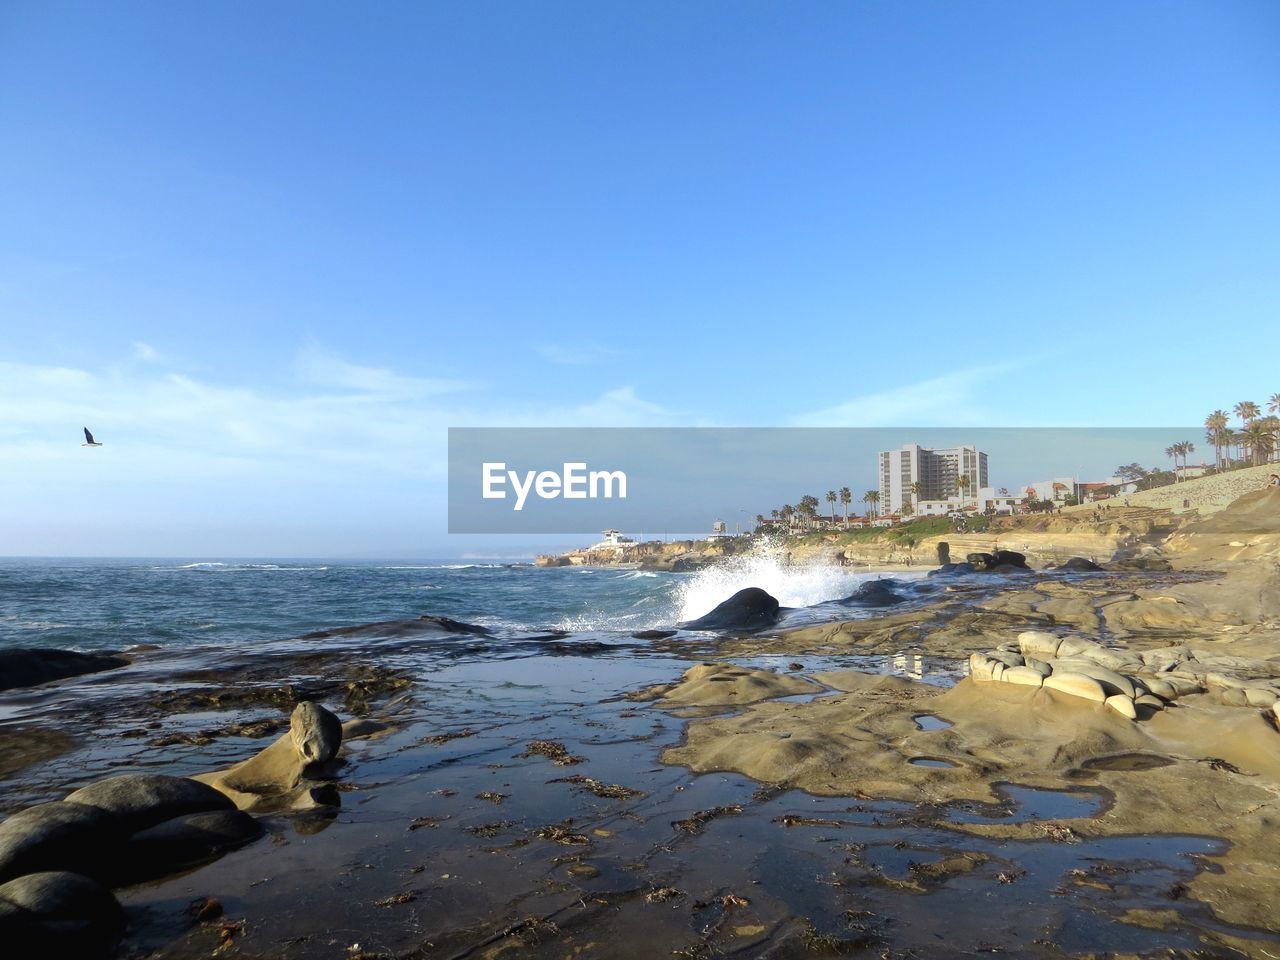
1080, 565
1000, 561
748, 609
30, 666
653, 634
57, 836
427, 625
1009, 558
875, 593
142, 800
187, 841
60, 915
952, 570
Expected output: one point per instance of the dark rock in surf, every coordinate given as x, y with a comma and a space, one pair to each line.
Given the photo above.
57, 836
142, 800
748, 609
30, 666
187, 841
653, 634
1080, 565
59, 914
875, 593
390, 629
1010, 558
952, 570
1001, 561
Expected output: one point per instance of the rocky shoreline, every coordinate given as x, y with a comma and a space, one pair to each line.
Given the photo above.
1138, 703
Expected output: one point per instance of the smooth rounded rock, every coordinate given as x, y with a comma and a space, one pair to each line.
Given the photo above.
1111, 681
185, 841
749, 609
1147, 700
1160, 688
1184, 686
1023, 675
1122, 705
57, 836
1008, 659
980, 666
1039, 666
1039, 643
75, 916
1234, 697
142, 800
1076, 685
1260, 696
1078, 647
316, 733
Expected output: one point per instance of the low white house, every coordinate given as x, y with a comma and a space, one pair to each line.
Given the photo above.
614, 539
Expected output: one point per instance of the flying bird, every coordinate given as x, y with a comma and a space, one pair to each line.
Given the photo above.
89, 441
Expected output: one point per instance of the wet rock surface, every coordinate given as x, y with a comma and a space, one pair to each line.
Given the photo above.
27, 667
843, 787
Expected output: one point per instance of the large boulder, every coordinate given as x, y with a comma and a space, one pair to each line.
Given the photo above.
875, 593
59, 914
998, 561
29, 666
1079, 565
142, 800
57, 836
1010, 558
748, 609
187, 841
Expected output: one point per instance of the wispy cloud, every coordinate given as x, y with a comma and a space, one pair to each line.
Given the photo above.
145, 352
364, 448
578, 355
317, 366
954, 399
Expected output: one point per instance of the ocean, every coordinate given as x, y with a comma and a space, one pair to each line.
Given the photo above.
114, 604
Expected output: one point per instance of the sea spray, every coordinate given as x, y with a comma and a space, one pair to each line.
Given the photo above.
793, 586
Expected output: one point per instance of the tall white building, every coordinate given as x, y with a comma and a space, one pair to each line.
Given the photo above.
937, 471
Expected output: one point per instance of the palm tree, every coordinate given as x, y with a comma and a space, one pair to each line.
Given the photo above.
1247, 411
831, 499
788, 511
1272, 423
872, 499
1260, 441
1172, 454
846, 498
962, 482
775, 514
1216, 425
808, 509
1230, 439
916, 487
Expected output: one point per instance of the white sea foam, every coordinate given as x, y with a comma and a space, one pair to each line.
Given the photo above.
793, 586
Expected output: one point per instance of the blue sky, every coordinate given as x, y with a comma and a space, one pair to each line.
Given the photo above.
270, 252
